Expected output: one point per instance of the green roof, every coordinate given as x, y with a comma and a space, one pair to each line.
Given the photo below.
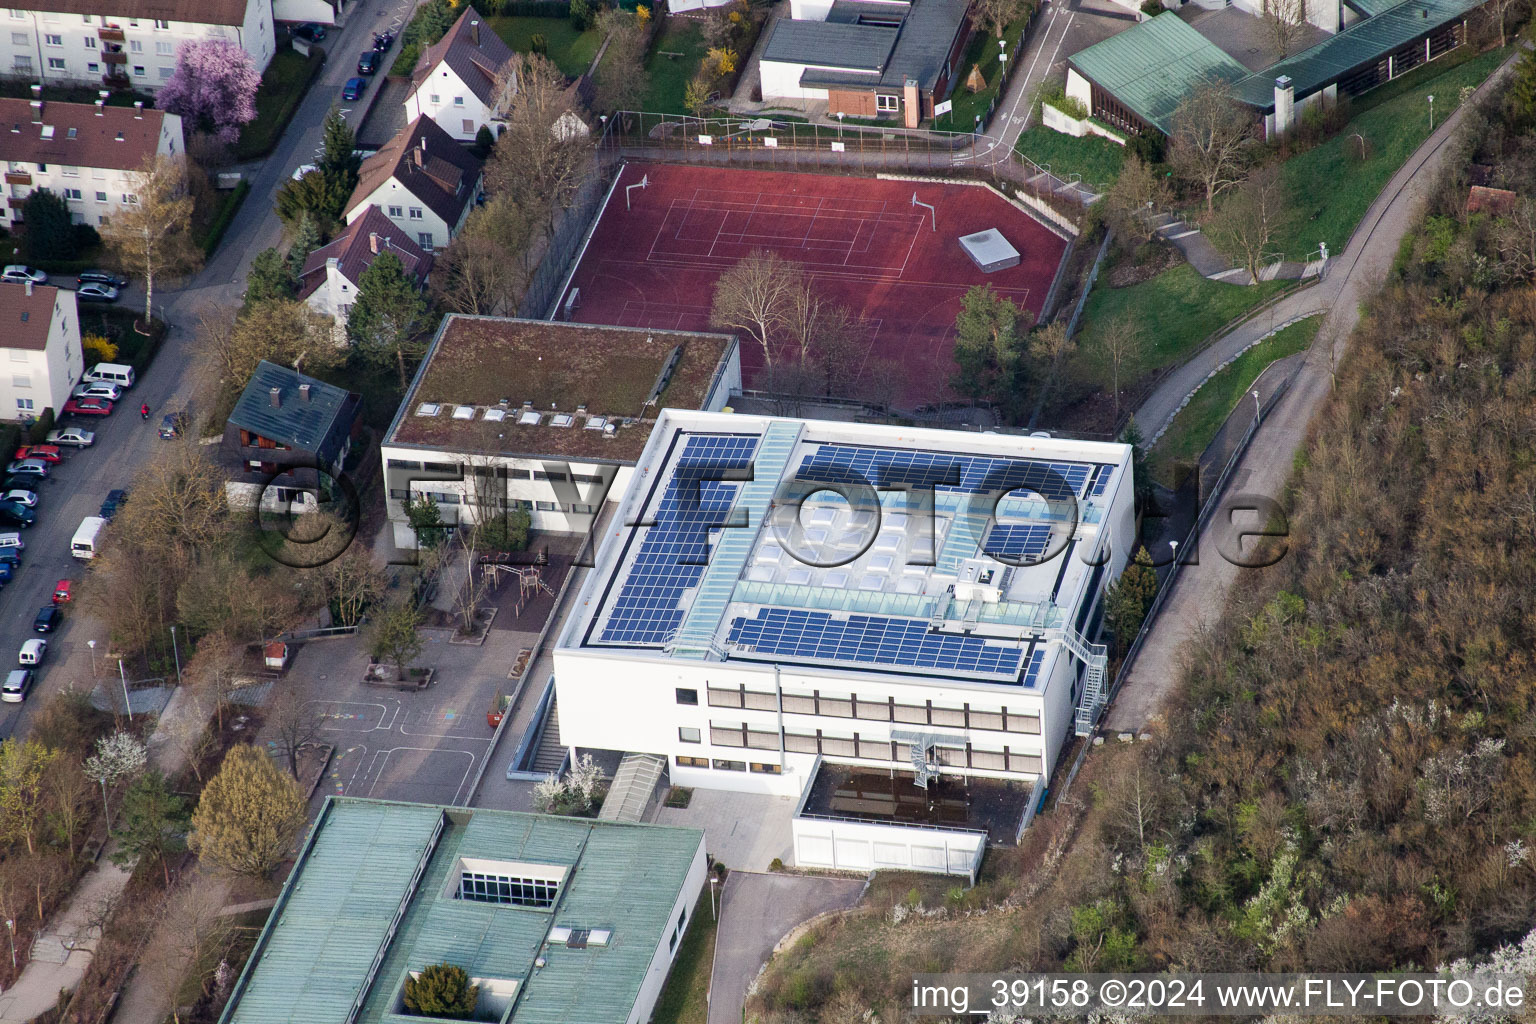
1152, 66
356, 874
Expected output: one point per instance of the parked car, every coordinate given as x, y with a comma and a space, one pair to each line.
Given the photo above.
46, 452
13, 514
17, 684
309, 30
63, 592
97, 389
115, 500
12, 539
96, 293
28, 467
354, 88
88, 407
368, 63
48, 617
19, 483
383, 41
32, 652
77, 437
173, 425
20, 496
10, 557
105, 277
21, 274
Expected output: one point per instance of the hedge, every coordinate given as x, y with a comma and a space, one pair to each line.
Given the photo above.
10, 437
37, 433
67, 268
250, 148
221, 221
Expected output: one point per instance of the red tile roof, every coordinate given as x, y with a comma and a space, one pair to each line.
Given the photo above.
472, 50
195, 12
427, 162
120, 138
355, 249
24, 319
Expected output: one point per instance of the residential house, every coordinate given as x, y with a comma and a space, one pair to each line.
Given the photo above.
87, 154
41, 342
128, 43
455, 82
554, 919
543, 415
287, 439
866, 58
424, 181
332, 272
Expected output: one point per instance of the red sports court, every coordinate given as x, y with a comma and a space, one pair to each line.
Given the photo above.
657, 251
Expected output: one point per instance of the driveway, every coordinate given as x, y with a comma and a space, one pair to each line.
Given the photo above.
756, 911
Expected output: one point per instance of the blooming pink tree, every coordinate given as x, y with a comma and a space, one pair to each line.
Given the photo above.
213, 88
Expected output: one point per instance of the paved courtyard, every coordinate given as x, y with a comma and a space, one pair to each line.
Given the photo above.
743, 831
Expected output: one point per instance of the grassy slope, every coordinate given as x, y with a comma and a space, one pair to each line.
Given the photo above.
571, 51
670, 75
1194, 427
1178, 309
982, 51
1097, 160
684, 1000
288, 73
1394, 125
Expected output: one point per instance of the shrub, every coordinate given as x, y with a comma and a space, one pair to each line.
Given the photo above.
538, 43
1057, 97
98, 349
38, 431
49, 234
441, 990
581, 15
1152, 8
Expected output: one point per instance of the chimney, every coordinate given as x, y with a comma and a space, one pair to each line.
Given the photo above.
303, 392
373, 242
37, 111
420, 153
474, 32
1285, 104
101, 108
138, 110
276, 395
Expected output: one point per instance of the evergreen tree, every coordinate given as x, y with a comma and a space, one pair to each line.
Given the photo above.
314, 195
270, 277
441, 990
386, 318
306, 239
153, 823
1522, 93
50, 235
339, 161
1128, 598
989, 331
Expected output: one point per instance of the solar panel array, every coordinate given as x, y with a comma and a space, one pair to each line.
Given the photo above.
865, 639
971, 474
1018, 543
675, 548
1032, 673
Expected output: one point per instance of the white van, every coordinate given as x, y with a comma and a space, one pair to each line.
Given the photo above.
109, 373
84, 544
12, 539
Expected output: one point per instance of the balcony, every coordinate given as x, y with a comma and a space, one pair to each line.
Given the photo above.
115, 58
112, 35
15, 203
22, 178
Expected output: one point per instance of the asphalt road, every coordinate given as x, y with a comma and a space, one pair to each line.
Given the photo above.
124, 442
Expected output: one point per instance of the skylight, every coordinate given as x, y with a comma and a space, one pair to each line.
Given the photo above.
495, 415
464, 412
428, 409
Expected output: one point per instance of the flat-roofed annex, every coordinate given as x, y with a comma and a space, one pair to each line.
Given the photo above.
533, 387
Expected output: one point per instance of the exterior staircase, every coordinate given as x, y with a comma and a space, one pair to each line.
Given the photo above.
1095, 658
632, 787
550, 756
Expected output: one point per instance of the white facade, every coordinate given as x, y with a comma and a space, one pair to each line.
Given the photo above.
416, 219
92, 193
666, 949
37, 379
445, 98
781, 80
735, 713
79, 49
869, 846
318, 11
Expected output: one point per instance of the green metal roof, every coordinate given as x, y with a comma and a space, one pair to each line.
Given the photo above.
1152, 66
333, 917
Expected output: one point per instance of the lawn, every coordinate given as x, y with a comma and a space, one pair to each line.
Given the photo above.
1394, 124
685, 999
1178, 309
672, 65
571, 51
1194, 427
1094, 159
980, 51
283, 85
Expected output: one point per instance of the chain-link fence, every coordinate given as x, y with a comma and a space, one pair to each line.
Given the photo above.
571, 227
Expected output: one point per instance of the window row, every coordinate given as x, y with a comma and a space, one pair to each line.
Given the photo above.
883, 710
497, 471
577, 508
513, 892
22, 65
722, 765
20, 14
865, 747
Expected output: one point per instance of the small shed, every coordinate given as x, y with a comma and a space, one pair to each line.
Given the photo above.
276, 655
989, 250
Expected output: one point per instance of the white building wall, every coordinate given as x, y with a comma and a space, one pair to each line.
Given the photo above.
401, 206
43, 378
1080, 89
445, 98
672, 940
867, 846
781, 81
319, 11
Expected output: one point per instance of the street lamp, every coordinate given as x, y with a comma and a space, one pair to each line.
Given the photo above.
713, 881
1431, 111
92, 645
10, 926
123, 675
839, 124
1255, 394
175, 652
1173, 546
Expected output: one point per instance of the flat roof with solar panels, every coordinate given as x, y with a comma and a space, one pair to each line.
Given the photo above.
852, 547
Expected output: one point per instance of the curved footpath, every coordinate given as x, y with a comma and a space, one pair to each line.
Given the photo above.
1199, 594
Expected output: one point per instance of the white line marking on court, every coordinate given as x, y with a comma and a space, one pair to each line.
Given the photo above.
378, 774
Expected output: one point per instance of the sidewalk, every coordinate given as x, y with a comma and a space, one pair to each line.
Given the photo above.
61, 954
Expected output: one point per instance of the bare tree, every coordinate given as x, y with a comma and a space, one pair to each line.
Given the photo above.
191, 937
534, 161
485, 270
191, 735
68, 793
352, 582
152, 235
1212, 139
1517, 241
1115, 346
485, 499
1134, 197
757, 297
1248, 221
1502, 10
215, 672
994, 15
1285, 20
1050, 346
621, 81
294, 721
289, 333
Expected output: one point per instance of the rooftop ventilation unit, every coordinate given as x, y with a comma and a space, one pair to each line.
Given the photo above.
428, 409
495, 415
463, 412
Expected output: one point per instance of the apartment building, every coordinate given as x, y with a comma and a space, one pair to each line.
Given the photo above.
85, 153
125, 43
40, 348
